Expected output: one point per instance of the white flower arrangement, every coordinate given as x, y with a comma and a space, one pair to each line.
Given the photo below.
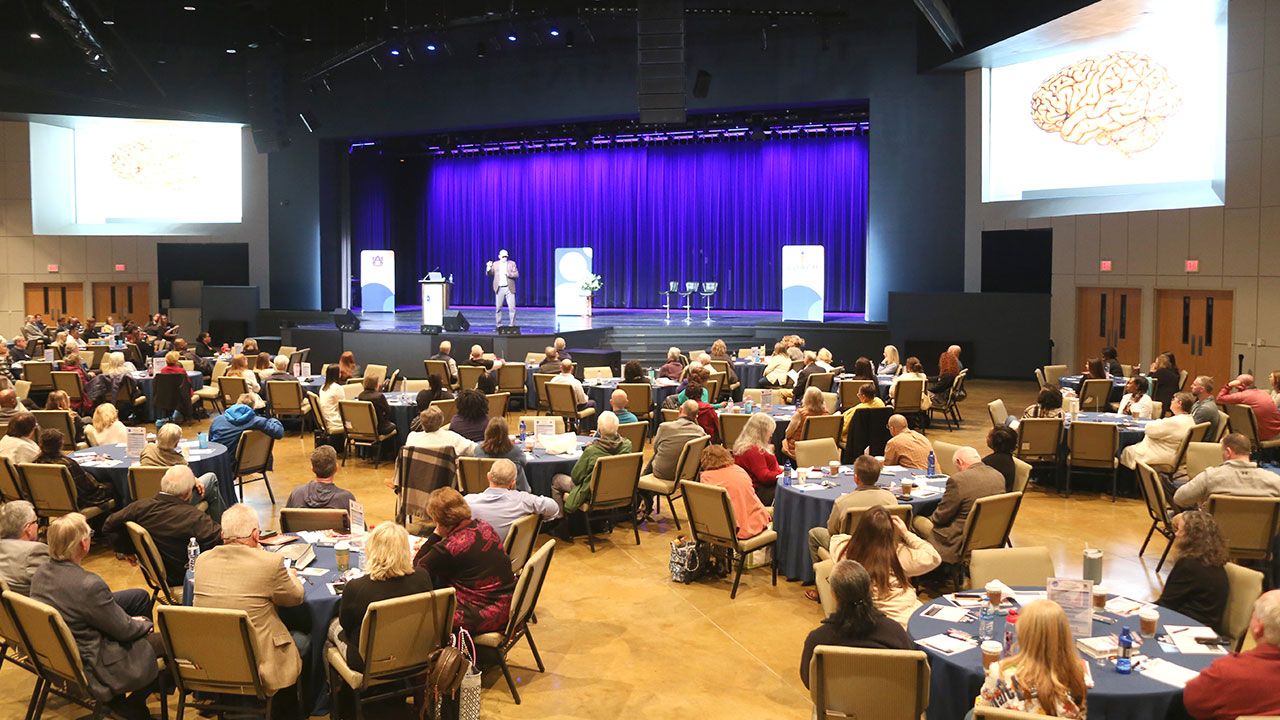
591, 283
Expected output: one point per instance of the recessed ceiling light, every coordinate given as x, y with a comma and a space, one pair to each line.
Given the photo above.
35, 36
189, 8
511, 38
108, 22
555, 33
432, 48
231, 51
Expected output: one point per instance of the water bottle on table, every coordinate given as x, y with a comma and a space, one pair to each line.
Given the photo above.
932, 468
1124, 658
193, 552
522, 432
987, 622
1011, 633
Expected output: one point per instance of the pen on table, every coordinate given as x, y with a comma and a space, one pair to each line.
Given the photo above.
1103, 618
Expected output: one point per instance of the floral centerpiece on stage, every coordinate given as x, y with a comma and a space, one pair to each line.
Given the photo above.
590, 284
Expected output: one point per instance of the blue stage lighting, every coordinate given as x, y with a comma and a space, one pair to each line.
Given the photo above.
512, 38
555, 33
395, 52
432, 48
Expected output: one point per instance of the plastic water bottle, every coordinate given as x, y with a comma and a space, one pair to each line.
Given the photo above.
522, 432
1011, 633
193, 552
747, 406
755, 355
932, 466
786, 473
987, 622
1124, 658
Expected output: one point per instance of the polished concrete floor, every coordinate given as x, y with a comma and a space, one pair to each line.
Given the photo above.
619, 639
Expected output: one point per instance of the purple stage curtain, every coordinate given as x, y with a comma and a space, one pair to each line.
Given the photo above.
704, 212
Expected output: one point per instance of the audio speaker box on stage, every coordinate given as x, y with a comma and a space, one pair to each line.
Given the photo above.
430, 329
508, 329
455, 321
345, 320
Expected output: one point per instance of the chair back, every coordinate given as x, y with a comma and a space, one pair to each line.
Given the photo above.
352, 389
908, 397
39, 373
498, 404
639, 398
636, 432
848, 391
1224, 426
398, 636
560, 399
1021, 475
22, 388
529, 420
1196, 431
1158, 504
731, 425
997, 411
253, 452
150, 561
597, 373
59, 420
359, 419
294, 520
822, 426
469, 376
1201, 456
1243, 588
522, 535
1052, 373
96, 353
1039, 439
1039, 378
710, 514
512, 379
232, 388
10, 634
690, 458
285, 397
220, 369
10, 482
69, 383
540, 381
49, 488
439, 368
822, 581
414, 386
1092, 444
448, 408
50, 644
1249, 524
318, 423
227, 666
144, 482
944, 454
1095, 394
533, 358
528, 587
822, 381
990, 521
869, 430
849, 521
614, 480
1242, 420
473, 474
1012, 566
819, 452
855, 682
376, 371
716, 386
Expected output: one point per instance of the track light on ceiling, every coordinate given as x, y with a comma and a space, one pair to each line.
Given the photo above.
35, 36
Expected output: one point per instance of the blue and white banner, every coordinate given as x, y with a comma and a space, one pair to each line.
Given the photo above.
804, 272
573, 265
378, 280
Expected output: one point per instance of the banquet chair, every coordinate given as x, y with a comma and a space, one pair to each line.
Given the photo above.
448, 408
376, 371
636, 432
511, 380
1030, 566
708, 290
944, 455
673, 288
1021, 475
869, 431
414, 386
988, 526
321, 434
1201, 456
214, 669
172, 396
1159, 508
1092, 446
540, 381
816, 453
59, 420
848, 391
849, 521
1249, 525
522, 535
822, 426
1243, 421
361, 423
389, 385
69, 383
639, 399
286, 401
1052, 373
1039, 440
473, 474
686, 469
53, 493
951, 408
908, 400
722, 366
1157, 410
253, 459
669, 414
524, 601
13, 649
1180, 457
855, 682
39, 374
287, 350
10, 482
731, 425
352, 389
22, 389
822, 381
151, 562
498, 403
712, 520
533, 358
294, 520
614, 482
529, 421
210, 392
1243, 588
822, 581
1039, 378
439, 368
715, 386
690, 289
1094, 394
469, 376
231, 388
999, 415
561, 402
597, 373
831, 402
144, 482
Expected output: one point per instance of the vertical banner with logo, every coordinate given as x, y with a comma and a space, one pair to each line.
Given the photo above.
803, 282
573, 265
378, 280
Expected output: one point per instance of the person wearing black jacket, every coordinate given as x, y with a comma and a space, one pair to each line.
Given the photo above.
856, 622
1002, 440
171, 520
1197, 584
381, 408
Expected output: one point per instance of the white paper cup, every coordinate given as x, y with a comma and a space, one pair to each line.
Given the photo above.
1149, 621
995, 593
991, 650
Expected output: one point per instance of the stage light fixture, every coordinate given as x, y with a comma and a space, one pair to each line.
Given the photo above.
231, 51
431, 47
108, 22
395, 52
555, 33
511, 38
189, 8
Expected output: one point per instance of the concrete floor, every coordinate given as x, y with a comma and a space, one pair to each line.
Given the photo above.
619, 639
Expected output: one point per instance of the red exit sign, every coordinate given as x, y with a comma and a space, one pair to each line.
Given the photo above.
1105, 266
119, 267
1193, 266
53, 268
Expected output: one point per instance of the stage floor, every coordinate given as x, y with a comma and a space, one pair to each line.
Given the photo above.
544, 320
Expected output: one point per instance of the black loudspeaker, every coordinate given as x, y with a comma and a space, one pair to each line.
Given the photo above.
508, 329
266, 106
702, 84
455, 321
660, 54
430, 329
345, 320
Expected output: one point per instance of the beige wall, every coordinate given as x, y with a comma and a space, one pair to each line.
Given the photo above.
1238, 245
87, 259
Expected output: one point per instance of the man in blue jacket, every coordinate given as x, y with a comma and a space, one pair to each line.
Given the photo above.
227, 427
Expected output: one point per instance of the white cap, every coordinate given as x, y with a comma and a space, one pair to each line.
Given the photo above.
502, 253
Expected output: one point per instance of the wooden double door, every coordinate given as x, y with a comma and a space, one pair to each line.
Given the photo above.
54, 300
1108, 317
1195, 325
130, 300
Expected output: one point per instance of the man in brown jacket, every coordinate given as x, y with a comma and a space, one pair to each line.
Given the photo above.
945, 527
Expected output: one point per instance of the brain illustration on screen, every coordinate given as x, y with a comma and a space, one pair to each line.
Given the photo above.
155, 162
1122, 99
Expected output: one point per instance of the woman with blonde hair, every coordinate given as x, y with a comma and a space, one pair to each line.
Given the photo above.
1046, 677
811, 405
389, 574
1275, 387
889, 365
60, 400
107, 428
753, 452
239, 368
777, 367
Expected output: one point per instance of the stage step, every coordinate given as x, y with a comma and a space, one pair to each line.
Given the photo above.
649, 345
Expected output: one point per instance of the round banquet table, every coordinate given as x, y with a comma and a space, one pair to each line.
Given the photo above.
782, 414
404, 408
602, 390
147, 385
1132, 430
749, 374
795, 511
214, 459
541, 466
955, 680
1073, 382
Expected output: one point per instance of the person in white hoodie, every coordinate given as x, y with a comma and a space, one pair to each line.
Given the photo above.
1162, 437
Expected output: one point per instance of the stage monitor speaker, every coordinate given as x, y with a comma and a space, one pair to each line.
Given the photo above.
508, 329
430, 329
345, 320
455, 321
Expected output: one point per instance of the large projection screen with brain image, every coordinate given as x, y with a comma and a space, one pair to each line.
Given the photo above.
1131, 121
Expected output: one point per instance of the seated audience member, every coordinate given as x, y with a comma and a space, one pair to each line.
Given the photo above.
955, 351
892, 555
1197, 584
1240, 685
431, 435
857, 622
205, 347
1048, 404
1136, 402
776, 369
810, 368
347, 367
114, 638
471, 418
173, 364
239, 575
618, 401
164, 453
580, 400
487, 383
572, 491
1110, 363
670, 439
19, 444
477, 358
381, 408
720, 353
1168, 380
390, 574
948, 371
633, 372
550, 363
281, 374
863, 369
466, 554
496, 443
1094, 370
9, 405
501, 504
560, 346
912, 370
227, 428
6, 370
906, 447
262, 366
71, 363
865, 493
170, 519
812, 406
21, 552
719, 469
795, 347
198, 361
239, 368
18, 353
444, 356
972, 481
90, 492
1002, 440
1162, 438
107, 426
1242, 391
331, 393
321, 492
868, 397
1237, 475
1205, 409
694, 390
435, 391
888, 365
753, 453
1047, 675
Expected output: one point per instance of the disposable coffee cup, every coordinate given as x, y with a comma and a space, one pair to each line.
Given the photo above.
995, 593
1099, 597
991, 652
1149, 619
908, 485
802, 474
342, 554
835, 467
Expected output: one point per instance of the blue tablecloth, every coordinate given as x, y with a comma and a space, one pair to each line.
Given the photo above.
1132, 430
147, 386
956, 679
404, 408
1073, 382
540, 467
749, 374
602, 390
795, 512
217, 461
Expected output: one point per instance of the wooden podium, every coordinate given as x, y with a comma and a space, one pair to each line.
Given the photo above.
435, 301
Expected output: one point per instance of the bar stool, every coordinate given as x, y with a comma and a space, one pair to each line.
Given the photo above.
690, 289
709, 289
673, 288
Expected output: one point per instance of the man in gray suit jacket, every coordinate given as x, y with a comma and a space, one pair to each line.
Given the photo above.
944, 529
504, 274
20, 553
117, 646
